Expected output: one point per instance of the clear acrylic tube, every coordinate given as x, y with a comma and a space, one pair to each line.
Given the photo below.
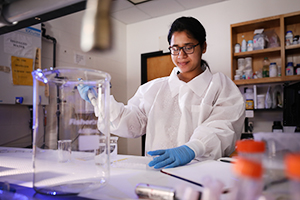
85, 164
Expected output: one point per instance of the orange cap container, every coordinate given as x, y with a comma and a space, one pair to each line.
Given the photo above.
292, 166
248, 168
250, 146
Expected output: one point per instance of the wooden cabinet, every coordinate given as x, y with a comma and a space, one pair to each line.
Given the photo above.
281, 55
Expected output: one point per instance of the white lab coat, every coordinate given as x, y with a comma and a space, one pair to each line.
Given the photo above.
206, 114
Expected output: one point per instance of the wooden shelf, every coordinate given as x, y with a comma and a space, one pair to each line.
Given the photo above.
294, 46
261, 51
281, 55
267, 80
270, 109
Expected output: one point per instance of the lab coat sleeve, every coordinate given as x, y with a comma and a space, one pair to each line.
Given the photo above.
221, 120
128, 120
131, 120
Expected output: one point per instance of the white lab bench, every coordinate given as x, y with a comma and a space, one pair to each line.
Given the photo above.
16, 169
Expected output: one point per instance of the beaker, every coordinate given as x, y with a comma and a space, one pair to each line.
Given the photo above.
66, 148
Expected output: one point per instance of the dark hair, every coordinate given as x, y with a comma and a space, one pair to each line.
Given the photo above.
193, 27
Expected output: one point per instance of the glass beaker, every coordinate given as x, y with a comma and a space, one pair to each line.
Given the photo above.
66, 151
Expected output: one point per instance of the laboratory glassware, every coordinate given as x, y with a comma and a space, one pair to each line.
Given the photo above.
72, 121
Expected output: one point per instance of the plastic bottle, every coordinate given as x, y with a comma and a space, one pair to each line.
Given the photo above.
268, 99
250, 149
289, 71
249, 96
277, 127
298, 69
250, 45
289, 38
258, 41
265, 69
273, 69
248, 63
248, 184
260, 101
279, 71
244, 45
292, 166
241, 64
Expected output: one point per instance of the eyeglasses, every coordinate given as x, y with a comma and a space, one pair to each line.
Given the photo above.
188, 49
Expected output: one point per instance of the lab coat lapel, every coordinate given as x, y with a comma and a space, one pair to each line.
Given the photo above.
174, 82
198, 85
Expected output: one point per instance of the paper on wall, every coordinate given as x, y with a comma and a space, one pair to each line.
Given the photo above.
21, 70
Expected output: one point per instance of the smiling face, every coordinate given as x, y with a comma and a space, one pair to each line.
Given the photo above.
189, 64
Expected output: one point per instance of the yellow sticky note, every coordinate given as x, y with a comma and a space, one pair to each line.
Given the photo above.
21, 70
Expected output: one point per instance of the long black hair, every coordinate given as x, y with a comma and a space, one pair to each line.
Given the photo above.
193, 27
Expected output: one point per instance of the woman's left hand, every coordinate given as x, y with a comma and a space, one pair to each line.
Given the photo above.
170, 158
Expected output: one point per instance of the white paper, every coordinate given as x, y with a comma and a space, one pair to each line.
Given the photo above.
79, 58
197, 172
18, 44
249, 113
258, 31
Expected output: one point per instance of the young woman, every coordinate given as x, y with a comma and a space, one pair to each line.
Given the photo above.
192, 114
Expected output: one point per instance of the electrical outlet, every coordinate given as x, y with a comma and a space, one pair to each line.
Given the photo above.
250, 124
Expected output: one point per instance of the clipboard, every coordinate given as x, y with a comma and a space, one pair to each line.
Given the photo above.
196, 172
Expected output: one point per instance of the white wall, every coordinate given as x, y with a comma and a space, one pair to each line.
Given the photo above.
66, 30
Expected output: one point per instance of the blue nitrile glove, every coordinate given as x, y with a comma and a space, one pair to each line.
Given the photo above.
170, 158
83, 91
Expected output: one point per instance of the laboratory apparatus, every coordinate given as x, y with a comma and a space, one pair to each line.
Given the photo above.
70, 143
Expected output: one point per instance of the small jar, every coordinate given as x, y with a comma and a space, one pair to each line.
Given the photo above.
239, 72
237, 77
251, 149
289, 38
273, 70
295, 40
249, 99
237, 48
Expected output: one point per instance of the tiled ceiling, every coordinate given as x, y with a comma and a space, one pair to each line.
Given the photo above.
128, 13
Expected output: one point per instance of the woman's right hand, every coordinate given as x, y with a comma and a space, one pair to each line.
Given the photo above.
83, 91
